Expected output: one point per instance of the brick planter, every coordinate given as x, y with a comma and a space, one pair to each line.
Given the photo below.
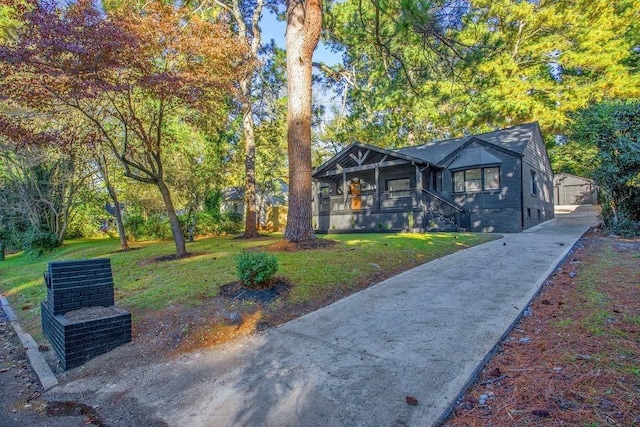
82, 285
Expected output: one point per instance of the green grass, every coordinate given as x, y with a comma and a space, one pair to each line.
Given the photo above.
563, 323
143, 284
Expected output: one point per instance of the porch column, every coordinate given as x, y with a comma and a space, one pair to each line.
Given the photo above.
345, 189
418, 185
376, 201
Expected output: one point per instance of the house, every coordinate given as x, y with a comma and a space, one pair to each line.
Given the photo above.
574, 190
493, 182
272, 203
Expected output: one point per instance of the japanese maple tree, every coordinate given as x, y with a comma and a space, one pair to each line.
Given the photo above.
130, 73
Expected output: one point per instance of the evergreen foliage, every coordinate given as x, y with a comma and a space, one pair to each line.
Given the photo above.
613, 129
255, 269
421, 71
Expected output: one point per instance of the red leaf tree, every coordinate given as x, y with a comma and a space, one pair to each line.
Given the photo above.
129, 74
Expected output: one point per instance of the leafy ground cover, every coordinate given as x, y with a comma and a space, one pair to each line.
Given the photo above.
575, 360
175, 303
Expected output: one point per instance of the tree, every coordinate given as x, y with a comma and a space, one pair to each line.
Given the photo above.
304, 25
9, 17
401, 60
42, 189
613, 128
429, 70
129, 75
246, 16
105, 167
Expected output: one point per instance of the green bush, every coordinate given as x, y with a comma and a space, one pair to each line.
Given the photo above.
231, 222
622, 226
154, 227
158, 227
256, 268
134, 226
37, 243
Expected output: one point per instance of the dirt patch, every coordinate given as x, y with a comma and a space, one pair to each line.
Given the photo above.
172, 257
306, 245
573, 360
74, 409
21, 403
91, 313
275, 288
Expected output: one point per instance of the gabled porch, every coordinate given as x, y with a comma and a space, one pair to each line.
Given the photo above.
369, 188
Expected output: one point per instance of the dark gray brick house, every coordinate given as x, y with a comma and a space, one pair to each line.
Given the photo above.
492, 182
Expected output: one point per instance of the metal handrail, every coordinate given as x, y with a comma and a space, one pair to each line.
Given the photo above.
447, 209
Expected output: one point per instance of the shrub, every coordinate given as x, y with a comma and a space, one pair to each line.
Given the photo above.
256, 268
134, 226
38, 243
154, 227
622, 226
230, 222
158, 227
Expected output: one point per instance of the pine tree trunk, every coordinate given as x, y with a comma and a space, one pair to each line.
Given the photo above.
304, 24
252, 36
251, 211
176, 230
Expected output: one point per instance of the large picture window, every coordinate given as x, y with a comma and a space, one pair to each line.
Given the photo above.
476, 179
399, 187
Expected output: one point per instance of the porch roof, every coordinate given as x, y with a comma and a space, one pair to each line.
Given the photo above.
359, 157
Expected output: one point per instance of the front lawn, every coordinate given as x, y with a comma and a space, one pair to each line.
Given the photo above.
145, 285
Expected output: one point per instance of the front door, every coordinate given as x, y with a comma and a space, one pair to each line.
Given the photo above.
356, 198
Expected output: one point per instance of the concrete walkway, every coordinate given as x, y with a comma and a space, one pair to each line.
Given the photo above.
423, 333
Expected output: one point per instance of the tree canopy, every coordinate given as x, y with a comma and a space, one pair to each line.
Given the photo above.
612, 130
132, 75
424, 70
178, 95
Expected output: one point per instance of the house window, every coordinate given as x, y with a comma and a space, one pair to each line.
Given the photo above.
325, 191
458, 182
528, 212
491, 178
534, 184
476, 180
539, 214
399, 187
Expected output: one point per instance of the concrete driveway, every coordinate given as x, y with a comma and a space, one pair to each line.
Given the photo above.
423, 333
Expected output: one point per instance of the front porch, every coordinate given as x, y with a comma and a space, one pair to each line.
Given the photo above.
420, 210
369, 211
368, 188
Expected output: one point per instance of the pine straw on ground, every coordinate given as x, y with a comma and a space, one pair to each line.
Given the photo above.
575, 360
